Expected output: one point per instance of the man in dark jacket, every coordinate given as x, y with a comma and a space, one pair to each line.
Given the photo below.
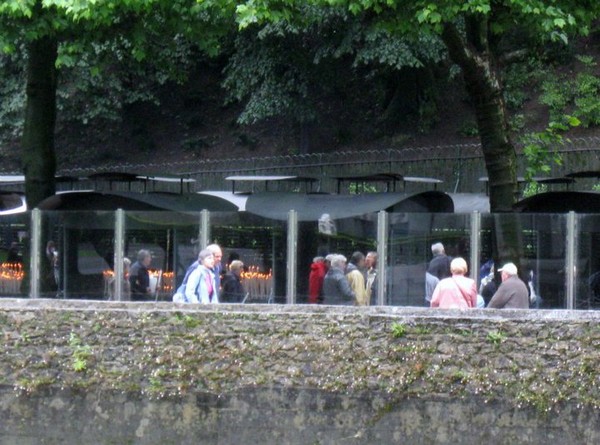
336, 288
437, 269
512, 293
232, 288
139, 277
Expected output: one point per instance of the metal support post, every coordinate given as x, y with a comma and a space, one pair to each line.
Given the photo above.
571, 259
119, 253
204, 234
382, 259
36, 250
475, 244
292, 251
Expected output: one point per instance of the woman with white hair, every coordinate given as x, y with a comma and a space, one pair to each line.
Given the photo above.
201, 286
457, 291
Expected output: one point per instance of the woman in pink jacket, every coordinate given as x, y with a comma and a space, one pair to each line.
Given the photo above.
457, 291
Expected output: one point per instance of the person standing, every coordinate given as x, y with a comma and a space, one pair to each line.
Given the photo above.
217, 268
354, 274
318, 269
201, 284
512, 292
437, 269
457, 291
139, 277
336, 288
371, 283
232, 288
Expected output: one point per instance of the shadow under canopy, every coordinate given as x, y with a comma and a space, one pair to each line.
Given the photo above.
560, 202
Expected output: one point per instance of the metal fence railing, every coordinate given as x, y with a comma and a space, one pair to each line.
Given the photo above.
460, 166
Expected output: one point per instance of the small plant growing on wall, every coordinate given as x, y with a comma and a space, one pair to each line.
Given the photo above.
496, 337
398, 330
81, 353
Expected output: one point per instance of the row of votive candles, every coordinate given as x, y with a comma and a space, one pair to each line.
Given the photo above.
11, 277
258, 284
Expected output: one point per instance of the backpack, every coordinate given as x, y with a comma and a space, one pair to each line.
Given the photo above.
179, 295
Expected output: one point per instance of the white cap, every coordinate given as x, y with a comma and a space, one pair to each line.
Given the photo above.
509, 268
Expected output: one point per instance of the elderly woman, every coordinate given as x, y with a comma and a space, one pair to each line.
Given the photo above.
201, 286
457, 291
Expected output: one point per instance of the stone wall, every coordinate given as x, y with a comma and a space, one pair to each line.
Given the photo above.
143, 373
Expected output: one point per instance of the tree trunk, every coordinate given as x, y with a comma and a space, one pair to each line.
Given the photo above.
483, 87
39, 158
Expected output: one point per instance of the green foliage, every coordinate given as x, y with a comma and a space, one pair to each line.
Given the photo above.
469, 128
519, 80
533, 188
80, 354
291, 69
496, 337
12, 95
398, 330
541, 148
579, 96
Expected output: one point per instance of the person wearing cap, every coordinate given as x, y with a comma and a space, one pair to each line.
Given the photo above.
512, 293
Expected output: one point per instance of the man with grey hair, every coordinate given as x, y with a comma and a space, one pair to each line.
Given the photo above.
512, 293
217, 269
336, 288
438, 269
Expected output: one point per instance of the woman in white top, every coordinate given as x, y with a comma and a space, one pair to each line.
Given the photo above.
201, 286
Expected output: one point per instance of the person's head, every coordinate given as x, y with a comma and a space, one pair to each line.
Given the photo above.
144, 257
126, 264
206, 257
318, 259
508, 270
328, 259
437, 249
338, 262
371, 260
358, 259
217, 253
236, 267
458, 266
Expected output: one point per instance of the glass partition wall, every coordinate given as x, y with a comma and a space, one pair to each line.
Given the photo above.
15, 255
80, 254
411, 236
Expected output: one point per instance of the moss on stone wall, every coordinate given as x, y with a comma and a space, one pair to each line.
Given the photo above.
526, 358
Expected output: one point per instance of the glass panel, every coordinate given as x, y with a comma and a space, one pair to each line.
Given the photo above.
261, 244
77, 249
587, 284
15, 254
173, 242
320, 238
537, 245
411, 236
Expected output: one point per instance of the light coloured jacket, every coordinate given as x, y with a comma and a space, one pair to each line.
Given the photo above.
357, 283
196, 289
456, 292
